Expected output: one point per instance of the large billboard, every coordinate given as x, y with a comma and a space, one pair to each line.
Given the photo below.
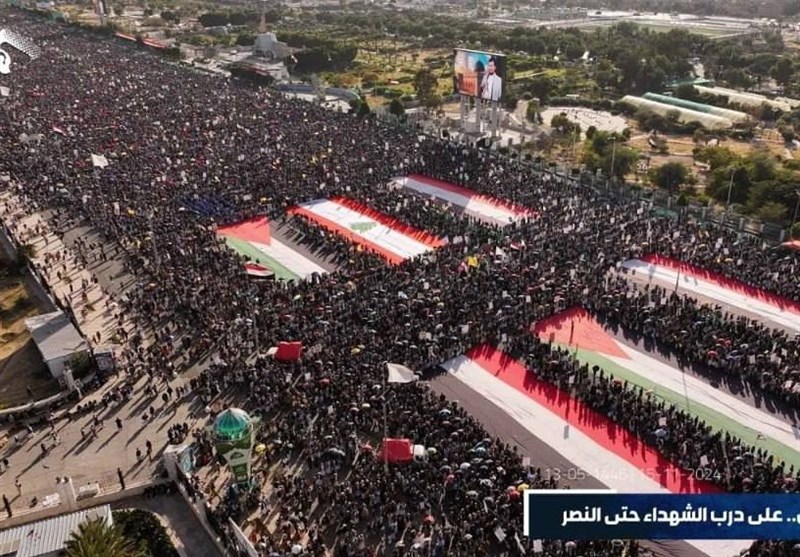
479, 74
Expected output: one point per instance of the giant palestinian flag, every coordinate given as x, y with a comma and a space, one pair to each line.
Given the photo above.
589, 440
368, 228
696, 280
267, 256
486, 208
577, 331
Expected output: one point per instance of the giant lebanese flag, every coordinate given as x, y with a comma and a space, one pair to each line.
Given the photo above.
732, 292
576, 330
371, 229
587, 439
252, 239
486, 208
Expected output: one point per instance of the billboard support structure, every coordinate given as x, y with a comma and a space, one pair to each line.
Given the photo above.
483, 109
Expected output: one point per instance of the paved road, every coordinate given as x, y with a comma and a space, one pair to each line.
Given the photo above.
81, 456
86, 458
497, 422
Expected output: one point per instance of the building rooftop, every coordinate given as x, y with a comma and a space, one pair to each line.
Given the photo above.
47, 536
55, 336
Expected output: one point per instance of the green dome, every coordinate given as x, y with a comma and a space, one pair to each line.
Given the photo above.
232, 424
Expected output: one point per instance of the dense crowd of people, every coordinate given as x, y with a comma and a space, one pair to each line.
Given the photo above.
190, 152
740, 347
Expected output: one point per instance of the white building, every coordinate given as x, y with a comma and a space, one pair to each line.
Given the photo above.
268, 46
57, 339
48, 538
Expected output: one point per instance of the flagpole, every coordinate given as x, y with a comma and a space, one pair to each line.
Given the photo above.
385, 370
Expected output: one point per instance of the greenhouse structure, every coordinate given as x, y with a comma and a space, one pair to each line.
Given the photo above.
745, 99
685, 115
733, 115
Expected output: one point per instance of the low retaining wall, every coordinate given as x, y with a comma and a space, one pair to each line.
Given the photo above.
305, 89
36, 514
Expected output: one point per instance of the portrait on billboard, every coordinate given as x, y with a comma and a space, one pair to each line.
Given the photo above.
479, 74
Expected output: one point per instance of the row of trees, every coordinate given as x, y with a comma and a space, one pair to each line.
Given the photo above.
219, 19
636, 59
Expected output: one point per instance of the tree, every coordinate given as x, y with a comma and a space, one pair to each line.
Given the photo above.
563, 125
687, 91
669, 176
510, 101
96, 538
212, 19
396, 108
432, 102
607, 152
732, 178
717, 157
425, 84
760, 167
541, 87
145, 530
170, 16
772, 212
783, 71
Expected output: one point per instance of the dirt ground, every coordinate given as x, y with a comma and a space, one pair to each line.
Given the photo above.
21, 365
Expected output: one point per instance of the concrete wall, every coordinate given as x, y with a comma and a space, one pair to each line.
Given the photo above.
306, 89
101, 499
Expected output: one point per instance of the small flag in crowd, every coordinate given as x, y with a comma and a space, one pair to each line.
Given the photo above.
289, 351
99, 161
256, 270
60, 131
400, 374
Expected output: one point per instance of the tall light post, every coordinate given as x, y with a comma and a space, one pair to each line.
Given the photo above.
150, 216
730, 191
613, 156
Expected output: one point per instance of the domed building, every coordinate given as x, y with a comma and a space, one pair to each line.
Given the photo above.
233, 432
232, 425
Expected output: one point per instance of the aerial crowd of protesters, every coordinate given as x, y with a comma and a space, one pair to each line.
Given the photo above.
189, 152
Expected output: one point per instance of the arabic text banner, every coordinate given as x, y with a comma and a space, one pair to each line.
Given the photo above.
595, 515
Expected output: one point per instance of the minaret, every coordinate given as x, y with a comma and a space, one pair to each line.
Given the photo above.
262, 27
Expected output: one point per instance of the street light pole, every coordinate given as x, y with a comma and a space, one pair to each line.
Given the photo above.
730, 190
385, 371
613, 157
153, 240
385, 455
